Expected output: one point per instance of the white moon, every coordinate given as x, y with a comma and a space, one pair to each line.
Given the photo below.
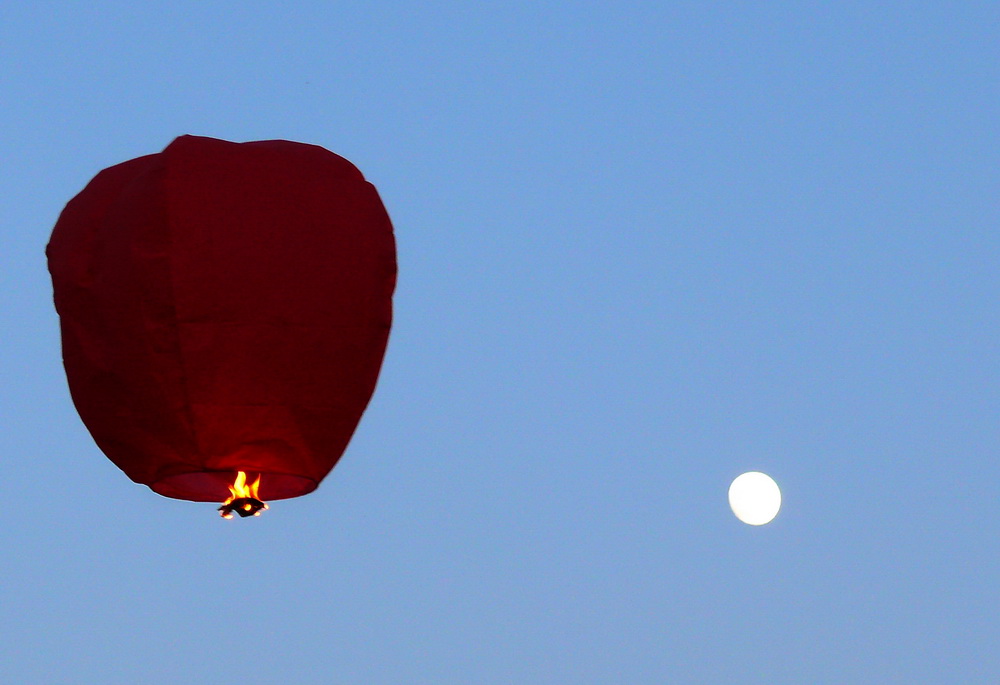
755, 498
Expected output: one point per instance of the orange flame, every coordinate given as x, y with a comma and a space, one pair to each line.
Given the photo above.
243, 498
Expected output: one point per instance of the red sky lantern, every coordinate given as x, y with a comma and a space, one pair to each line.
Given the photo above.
224, 309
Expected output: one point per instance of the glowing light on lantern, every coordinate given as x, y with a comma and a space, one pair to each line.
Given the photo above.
243, 498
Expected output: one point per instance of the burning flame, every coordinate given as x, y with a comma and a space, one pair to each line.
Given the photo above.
243, 499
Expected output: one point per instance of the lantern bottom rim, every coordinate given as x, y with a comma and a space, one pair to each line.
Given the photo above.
213, 486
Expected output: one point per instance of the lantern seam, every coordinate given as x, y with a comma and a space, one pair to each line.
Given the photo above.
181, 362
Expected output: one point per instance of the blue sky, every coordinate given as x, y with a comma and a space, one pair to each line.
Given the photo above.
642, 250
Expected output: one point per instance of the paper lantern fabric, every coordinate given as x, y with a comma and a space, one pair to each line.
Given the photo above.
224, 307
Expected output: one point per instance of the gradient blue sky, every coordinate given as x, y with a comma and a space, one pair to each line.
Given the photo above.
643, 247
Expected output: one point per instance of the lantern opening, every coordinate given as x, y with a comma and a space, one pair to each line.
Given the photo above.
243, 498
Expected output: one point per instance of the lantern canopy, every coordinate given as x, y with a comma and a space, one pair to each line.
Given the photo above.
224, 307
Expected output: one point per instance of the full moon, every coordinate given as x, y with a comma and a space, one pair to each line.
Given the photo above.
755, 498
